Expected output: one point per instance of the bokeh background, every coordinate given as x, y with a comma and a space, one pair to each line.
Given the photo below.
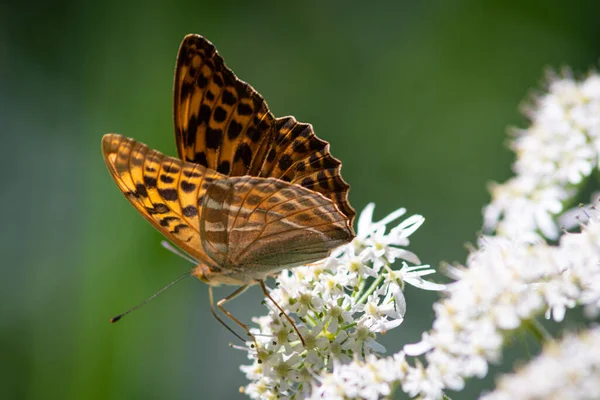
415, 98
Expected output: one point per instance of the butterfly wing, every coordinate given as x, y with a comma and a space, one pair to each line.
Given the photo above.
221, 122
298, 156
262, 225
165, 190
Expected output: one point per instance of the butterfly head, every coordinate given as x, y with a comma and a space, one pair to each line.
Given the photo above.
202, 272
218, 275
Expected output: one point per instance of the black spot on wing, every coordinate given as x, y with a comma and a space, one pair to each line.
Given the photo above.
203, 116
228, 98
187, 187
299, 147
224, 167
166, 178
179, 227
200, 158
234, 129
166, 220
174, 169
285, 162
323, 180
244, 153
253, 134
192, 174
289, 207
190, 211
253, 199
141, 190
244, 109
168, 194
220, 114
214, 138
303, 217
150, 182
201, 81
308, 183
158, 208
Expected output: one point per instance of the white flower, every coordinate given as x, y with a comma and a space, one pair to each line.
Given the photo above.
372, 378
567, 369
504, 284
343, 303
413, 275
423, 382
525, 206
511, 279
558, 151
380, 316
366, 226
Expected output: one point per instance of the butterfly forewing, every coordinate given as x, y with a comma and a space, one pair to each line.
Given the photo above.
165, 190
268, 224
221, 122
224, 124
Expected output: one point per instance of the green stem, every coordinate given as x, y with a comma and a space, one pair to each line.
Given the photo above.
311, 320
361, 286
371, 289
350, 325
524, 343
537, 330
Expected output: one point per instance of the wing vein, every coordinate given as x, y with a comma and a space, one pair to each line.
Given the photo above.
261, 237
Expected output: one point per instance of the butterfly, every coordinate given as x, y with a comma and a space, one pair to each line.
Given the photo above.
249, 194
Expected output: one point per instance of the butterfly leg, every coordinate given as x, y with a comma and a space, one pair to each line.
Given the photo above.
220, 303
266, 292
212, 309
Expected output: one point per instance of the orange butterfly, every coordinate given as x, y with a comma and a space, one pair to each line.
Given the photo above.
249, 195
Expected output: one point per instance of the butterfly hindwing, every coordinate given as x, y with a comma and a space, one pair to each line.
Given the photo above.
214, 221
165, 190
266, 224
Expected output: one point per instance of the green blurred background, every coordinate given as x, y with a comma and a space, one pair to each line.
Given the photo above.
415, 98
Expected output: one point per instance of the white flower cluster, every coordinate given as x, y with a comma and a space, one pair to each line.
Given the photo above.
504, 284
554, 155
342, 304
566, 369
371, 379
513, 277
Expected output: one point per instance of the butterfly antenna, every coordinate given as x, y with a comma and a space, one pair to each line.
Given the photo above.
175, 251
118, 317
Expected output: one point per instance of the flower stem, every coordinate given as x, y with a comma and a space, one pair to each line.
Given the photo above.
538, 331
371, 289
348, 326
360, 287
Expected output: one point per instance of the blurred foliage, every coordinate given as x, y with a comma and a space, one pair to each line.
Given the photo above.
415, 98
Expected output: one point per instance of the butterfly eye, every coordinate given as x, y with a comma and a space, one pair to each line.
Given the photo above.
202, 272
